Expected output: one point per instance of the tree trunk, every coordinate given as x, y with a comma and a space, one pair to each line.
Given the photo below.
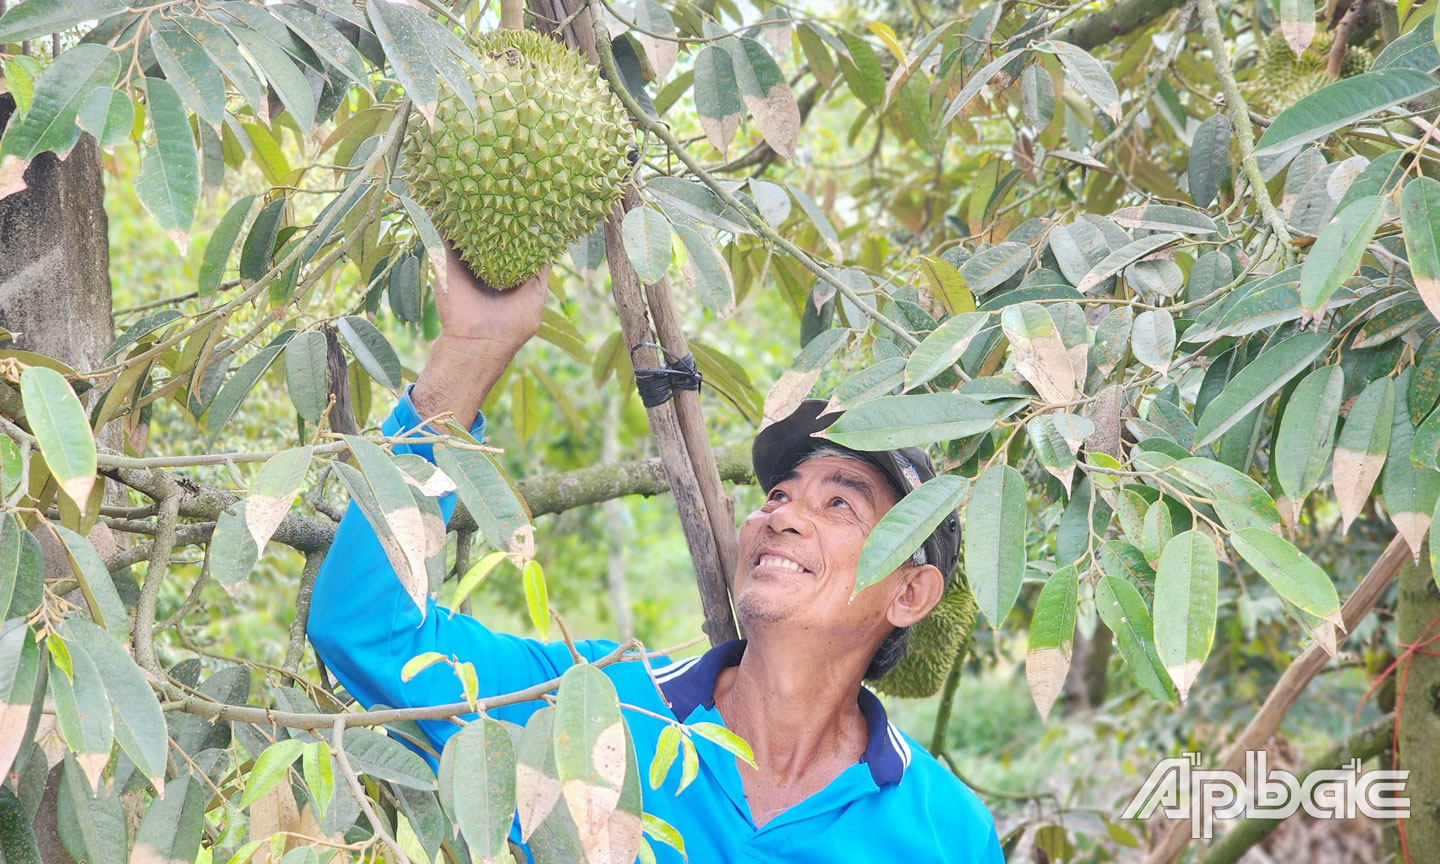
55, 260
1084, 686
1417, 614
55, 300
616, 533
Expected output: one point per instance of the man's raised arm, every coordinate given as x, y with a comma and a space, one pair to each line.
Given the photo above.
362, 623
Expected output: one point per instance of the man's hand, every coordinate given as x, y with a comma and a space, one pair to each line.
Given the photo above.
481, 330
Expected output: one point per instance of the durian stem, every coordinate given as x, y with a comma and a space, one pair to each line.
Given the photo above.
1239, 114
512, 14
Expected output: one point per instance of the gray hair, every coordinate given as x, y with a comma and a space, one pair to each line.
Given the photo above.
895, 646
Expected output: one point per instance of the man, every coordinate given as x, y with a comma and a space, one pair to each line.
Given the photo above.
836, 781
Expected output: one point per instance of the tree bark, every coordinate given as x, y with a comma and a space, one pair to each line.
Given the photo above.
1417, 616
1127, 16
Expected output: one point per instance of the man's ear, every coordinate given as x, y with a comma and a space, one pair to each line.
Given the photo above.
923, 586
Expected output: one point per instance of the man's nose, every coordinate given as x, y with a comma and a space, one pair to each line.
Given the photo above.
792, 516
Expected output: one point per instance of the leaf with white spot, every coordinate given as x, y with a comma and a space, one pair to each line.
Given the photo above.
1052, 636
1420, 221
19, 665
404, 537
1186, 586
662, 47
1152, 339
995, 540
1057, 438
273, 491
590, 751
537, 784
766, 94
1306, 434
1040, 355
1290, 572
717, 97
61, 429
1361, 448
1297, 24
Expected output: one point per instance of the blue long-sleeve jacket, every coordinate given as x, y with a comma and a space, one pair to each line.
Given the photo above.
897, 804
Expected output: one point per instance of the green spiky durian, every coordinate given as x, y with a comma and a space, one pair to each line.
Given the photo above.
935, 642
538, 164
1283, 78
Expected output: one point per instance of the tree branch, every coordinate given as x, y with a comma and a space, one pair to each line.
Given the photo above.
1239, 115
1363, 743
1127, 16
1292, 682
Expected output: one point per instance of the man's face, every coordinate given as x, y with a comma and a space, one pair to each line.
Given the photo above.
800, 550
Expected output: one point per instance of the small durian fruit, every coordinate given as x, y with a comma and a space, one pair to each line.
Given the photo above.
537, 166
935, 641
1284, 79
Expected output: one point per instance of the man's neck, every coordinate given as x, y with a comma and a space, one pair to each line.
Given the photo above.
800, 715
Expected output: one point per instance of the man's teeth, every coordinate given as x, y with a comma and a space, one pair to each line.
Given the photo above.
777, 561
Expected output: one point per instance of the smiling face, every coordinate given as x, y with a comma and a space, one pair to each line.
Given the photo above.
800, 550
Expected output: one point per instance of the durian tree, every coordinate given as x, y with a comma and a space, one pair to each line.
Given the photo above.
1157, 283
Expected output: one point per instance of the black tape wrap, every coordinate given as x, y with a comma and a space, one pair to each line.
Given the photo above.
656, 386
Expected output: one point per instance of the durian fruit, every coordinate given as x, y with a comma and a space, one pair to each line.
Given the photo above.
1283, 79
538, 164
935, 642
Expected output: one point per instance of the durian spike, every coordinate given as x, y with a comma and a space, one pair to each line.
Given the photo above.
512, 14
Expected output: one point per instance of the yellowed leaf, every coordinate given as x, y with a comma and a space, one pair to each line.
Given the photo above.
786, 395
535, 796
619, 843
1184, 675
1046, 364
1045, 670
1412, 526
263, 514
12, 176
1353, 474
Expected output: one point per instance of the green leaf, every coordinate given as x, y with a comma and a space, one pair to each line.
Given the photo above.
1409, 495
385, 758
319, 776
666, 749
139, 723
307, 374
975, 82
1237, 499
234, 391
233, 551
1057, 438
1361, 448
995, 540
108, 115
537, 786
706, 272
218, 247
371, 349
224, 54
172, 826
400, 36
1293, 575
477, 779
1052, 635
20, 73
1186, 585
590, 752
1152, 339
101, 598
1086, 73
1337, 252
942, 347
326, 41
910, 421
766, 94
1420, 220
17, 838
664, 832
988, 270
1258, 381
905, 527
189, 69
169, 180
1339, 104
537, 601
60, 91
42, 17
58, 422
255, 254
498, 511
717, 97
646, 233
1123, 257
1209, 159
19, 667
1123, 610
725, 739
1037, 100
1307, 433
285, 79
270, 769
863, 74
1156, 530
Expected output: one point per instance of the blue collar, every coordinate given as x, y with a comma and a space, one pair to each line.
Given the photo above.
691, 683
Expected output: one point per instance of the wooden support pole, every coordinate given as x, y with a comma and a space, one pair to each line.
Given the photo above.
706, 513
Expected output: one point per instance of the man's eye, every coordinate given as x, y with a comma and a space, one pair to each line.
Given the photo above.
775, 495
839, 502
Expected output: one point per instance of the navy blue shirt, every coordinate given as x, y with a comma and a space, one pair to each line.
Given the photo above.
896, 804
